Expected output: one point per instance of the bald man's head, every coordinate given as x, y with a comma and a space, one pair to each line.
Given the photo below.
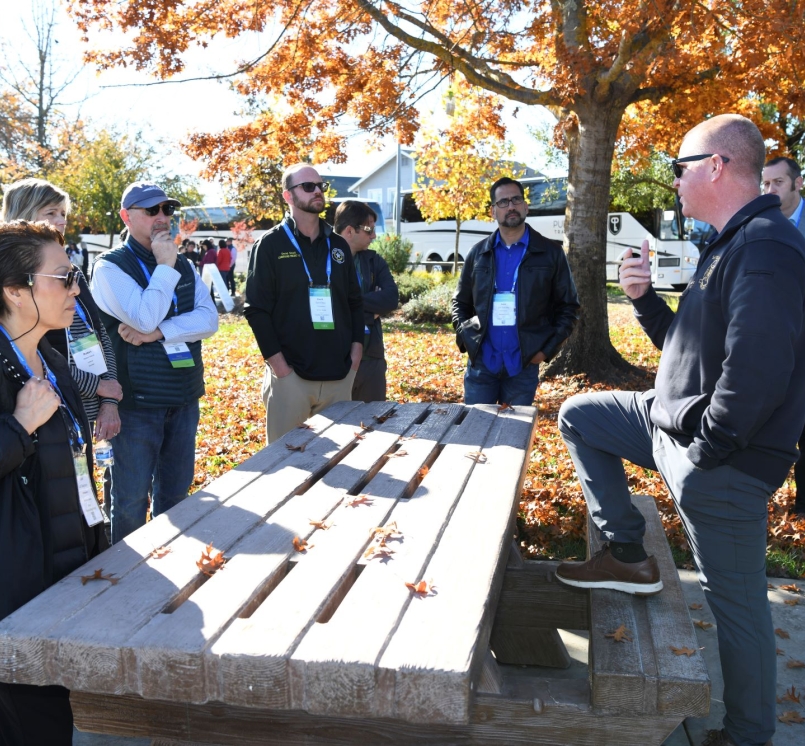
735, 137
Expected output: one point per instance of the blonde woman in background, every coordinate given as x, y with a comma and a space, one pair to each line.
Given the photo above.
84, 343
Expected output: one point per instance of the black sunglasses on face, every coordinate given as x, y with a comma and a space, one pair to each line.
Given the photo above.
68, 279
687, 159
312, 186
167, 209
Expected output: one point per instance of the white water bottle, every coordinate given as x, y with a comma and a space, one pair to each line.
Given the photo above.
104, 455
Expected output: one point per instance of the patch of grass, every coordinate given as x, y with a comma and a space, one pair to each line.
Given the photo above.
785, 563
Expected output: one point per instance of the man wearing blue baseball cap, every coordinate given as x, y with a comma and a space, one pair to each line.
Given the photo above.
156, 310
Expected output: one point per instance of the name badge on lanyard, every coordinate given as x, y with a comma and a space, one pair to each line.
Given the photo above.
504, 311
179, 354
86, 351
86, 496
321, 308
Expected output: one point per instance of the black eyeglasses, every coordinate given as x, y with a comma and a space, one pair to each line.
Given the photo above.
504, 203
167, 209
312, 186
687, 159
68, 279
365, 228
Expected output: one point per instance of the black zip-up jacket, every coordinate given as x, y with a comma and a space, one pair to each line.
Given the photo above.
278, 306
380, 296
547, 304
42, 527
731, 381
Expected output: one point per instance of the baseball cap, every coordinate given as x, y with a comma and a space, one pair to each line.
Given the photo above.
143, 194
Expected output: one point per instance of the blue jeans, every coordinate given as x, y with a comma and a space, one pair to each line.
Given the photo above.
156, 451
483, 387
724, 515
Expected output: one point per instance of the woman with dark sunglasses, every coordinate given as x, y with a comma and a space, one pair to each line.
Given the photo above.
50, 523
85, 342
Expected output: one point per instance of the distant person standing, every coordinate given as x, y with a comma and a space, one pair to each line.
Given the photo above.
783, 177
233, 250
224, 261
303, 303
515, 304
355, 221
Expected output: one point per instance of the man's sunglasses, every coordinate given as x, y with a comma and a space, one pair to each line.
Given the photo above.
312, 186
504, 203
365, 228
167, 209
687, 159
67, 279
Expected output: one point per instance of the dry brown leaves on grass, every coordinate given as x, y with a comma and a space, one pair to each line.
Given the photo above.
211, 560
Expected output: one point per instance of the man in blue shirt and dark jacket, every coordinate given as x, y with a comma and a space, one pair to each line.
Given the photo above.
722, 422
515, 304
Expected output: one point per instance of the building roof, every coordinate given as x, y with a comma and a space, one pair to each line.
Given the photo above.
406, 152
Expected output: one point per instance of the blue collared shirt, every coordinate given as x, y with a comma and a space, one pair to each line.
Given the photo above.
796, 217
501, 345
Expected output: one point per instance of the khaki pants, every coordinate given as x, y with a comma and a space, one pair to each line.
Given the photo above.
291, 400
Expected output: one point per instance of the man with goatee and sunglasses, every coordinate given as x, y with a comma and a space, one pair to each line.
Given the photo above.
304, 305
156, 310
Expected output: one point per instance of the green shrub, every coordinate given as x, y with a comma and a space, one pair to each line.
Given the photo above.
433, 307
395, 249
413, 284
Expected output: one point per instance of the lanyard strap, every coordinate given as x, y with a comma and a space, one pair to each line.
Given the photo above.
516, 271
148, 278
83, 316
295, 243
51, 379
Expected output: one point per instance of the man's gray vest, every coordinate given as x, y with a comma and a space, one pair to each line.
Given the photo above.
144, 371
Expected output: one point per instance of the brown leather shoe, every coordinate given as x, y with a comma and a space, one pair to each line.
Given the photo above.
602, 570
721, 738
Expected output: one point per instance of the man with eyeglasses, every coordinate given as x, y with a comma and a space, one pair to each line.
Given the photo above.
303, 303
355, 221
156, 310
723, 419
515, 304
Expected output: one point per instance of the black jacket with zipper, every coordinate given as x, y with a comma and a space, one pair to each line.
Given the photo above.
380, 296
547, 304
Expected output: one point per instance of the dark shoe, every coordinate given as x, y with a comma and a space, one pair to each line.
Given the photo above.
602, 570
721, 738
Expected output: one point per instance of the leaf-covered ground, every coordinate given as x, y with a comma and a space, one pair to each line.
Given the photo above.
425, 365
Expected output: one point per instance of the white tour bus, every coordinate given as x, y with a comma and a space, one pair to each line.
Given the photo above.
673, 259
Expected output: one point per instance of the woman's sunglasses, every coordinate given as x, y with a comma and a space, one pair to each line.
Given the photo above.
67, 279
167, 209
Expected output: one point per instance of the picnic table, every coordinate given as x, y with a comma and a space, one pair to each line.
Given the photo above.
370, 594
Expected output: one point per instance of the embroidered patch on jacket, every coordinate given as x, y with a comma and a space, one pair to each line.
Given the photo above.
705, 278
288, 255
338, 255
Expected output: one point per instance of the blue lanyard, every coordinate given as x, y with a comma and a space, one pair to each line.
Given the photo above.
51, 379
148, 278
516, 271
80, 311
295, 243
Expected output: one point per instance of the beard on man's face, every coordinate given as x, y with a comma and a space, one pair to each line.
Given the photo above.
313, 205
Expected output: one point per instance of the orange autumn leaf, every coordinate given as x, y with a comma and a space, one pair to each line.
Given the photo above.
782, 634
378, 551
695, 607
359, 435
503, 407
683, 651
791, 601
323, 525
160, 552
791, 588
361, 499
382, 418
621, 634
98, 575
422, 588
304, 426
791, 695
780, 651
211, 560
791, 717
701, 624
295, 448
398, 454
421, 473
795, 664
300, 545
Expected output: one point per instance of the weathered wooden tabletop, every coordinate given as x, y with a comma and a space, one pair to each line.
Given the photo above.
332, 630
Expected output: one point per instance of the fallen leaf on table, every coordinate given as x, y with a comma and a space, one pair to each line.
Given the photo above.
378, 550
781, 633
792, 716
503, 407
780, 652
359, 435
210, 562
440, 410
385, 532
301, 545
323, 525
98, 575
358, 500
695, 607
423, 587
384, 417
398, 454
701, 624
160, 552
422, 473
304, 426
620, 635
791, 695
791, 588
683, 651
791, 601
795, 664
366, 428
294, 448
477, 457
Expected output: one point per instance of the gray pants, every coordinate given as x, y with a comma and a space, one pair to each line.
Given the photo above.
370, 380
724, 515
